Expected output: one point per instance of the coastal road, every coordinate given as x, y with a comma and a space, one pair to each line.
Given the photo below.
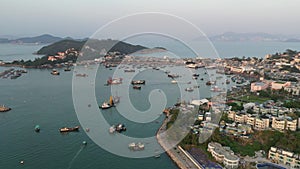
175, 154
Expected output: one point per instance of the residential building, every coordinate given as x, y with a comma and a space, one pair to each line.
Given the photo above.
285, 157
223, 155
262, 123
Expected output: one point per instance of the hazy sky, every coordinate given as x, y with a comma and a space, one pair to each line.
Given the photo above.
81, 18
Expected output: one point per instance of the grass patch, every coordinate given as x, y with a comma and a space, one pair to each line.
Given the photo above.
253, 98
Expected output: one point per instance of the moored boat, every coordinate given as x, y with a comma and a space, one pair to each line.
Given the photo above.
137, 87
136, 146
135, 82
55, 72
114, 81
4, 109
69, 129
109, 104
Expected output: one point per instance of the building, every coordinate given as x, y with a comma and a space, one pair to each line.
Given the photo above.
223, 155
285, 157
279, 85
251, 120
258, 86
240, 118
262, 123
284, 123
278, 123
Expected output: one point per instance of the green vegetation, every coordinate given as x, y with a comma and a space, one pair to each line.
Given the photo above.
292, 104
174, 113
254, 98
235, 106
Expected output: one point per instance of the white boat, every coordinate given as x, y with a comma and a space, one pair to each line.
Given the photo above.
136, 146
173, 81
107, 105
189, 89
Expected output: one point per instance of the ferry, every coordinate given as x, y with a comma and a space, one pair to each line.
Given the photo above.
69, 129
55, 72
135, 82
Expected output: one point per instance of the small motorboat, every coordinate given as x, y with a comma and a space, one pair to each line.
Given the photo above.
137, 87
67, 69
138, 82
55, 72
189, 89
69, 129
136, 146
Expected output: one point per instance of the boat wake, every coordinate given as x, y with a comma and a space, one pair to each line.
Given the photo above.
76, 155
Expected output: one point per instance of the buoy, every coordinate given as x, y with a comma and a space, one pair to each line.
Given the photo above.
84, 143
22, 162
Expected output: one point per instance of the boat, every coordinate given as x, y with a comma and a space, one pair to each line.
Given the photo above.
173, 76
55, 72
210, 83
129, 70
136, 146
109, 104
196, 75
4, 109
173, 81
81, 75
135, 82
215, 89
189, 89
117, 128
114, 81
137, 87
37, 128
227, 81
69, 129
67, 69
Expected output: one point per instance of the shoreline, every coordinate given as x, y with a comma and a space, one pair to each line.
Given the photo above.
178, 155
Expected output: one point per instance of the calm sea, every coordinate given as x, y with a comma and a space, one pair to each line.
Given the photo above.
40, 98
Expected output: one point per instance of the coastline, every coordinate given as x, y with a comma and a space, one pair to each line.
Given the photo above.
178, 155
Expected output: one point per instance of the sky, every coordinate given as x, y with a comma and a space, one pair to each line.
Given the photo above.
82, 18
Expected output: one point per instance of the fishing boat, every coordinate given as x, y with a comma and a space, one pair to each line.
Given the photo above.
117, 128
81, 75
189, 89
114, 81
129, 70
109, 104
137, 87
135, 82
215, 89
67, 69
37, 128
173, 75
55, 72
4, 109
69, 129
210, 83
173, 81
136, 146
